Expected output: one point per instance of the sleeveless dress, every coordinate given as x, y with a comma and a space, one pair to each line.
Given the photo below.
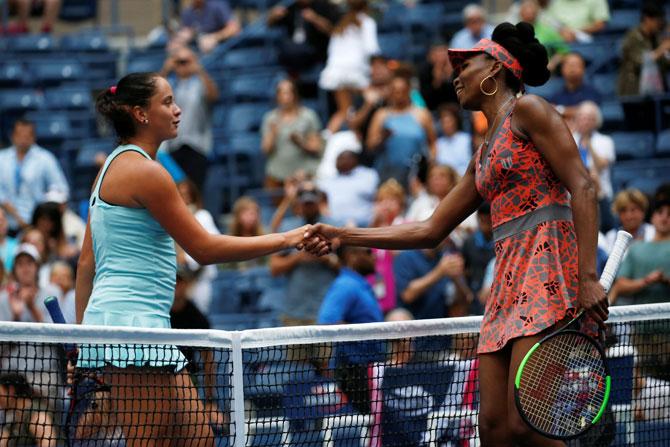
135, 274
535, 283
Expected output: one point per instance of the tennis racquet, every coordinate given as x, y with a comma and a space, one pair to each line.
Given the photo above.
562, 385
87, 423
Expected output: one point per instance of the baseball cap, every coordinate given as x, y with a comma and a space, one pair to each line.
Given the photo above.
28, 249
308, 195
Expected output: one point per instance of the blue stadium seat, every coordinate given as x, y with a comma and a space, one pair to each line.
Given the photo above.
621, 20
52, 71
394, 45
77, 10
68, 97
88, 149
20, 99
652, 433
647, 173
393, 18
613, 116
50, 128
31, 43
606, 84
12, 74
85, 41
248, 57
600, 56
427, 17
239, 118
630, 145
253, 87
146, 61
663, 144
550, 87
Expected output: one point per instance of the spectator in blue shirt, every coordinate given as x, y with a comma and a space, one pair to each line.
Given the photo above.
8, 244
207, 22
476, 28
575, 89
350, 300
430, 284
27, 173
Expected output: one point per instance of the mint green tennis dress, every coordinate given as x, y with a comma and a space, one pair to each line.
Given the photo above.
135, 272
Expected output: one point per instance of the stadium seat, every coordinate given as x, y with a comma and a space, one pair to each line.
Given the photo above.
78, 10
647, 173
606, 84
54, 71
613, 116
253, 87
50, 128
663, 144
652, 433
85, 41
150, 61
12, 74
621, 20
633, 145
392, 18
394, 45
68, 97
600, 56
239, 118
550, 87
248, 57
31, 43
20, 100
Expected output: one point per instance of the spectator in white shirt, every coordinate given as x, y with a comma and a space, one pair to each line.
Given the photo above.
27, 173
351, 192
454, 147
352, 42
598, 153
476, 28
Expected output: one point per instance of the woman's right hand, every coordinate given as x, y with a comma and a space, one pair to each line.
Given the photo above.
303, 238
329, 235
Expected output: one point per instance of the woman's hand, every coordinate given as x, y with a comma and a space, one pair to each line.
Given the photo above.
303, 238
329, 236
593, 299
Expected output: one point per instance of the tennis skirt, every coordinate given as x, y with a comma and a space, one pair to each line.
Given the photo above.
127, 355
535, 284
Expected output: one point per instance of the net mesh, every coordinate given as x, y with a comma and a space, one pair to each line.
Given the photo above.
391, 384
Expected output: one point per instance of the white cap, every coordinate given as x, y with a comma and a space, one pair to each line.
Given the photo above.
55, 195
28, 249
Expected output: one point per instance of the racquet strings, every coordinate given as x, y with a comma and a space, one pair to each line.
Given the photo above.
562, 385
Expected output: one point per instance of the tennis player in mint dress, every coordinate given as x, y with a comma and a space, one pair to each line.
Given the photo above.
127, 270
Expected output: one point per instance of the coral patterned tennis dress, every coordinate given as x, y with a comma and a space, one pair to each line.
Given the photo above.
535, 282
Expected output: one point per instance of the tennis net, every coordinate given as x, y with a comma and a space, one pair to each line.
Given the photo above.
411, 383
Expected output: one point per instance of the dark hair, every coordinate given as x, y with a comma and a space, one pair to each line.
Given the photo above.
520, 41
51, 211
653, 10
115, 104
453, 110
23, 122
18, 383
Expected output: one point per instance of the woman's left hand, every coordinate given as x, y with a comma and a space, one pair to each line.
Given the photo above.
593, 299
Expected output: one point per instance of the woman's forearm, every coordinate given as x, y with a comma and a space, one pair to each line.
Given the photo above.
395, 237
585, 216
83, 288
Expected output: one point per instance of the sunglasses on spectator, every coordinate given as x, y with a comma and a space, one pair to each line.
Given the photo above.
182, 61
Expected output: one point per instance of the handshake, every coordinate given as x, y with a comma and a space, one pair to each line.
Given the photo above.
318, 239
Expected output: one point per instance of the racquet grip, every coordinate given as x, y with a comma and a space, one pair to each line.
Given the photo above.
51, 303
623, 240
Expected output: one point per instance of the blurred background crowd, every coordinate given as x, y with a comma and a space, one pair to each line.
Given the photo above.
310, 111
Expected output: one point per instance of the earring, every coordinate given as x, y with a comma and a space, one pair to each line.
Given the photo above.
146, 121
481, 86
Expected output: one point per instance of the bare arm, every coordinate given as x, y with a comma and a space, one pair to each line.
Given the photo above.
375, 135
160, 197
462, 201
269, 138
629, 286
417, 287
231, 29
42, 428
85, 275
211, 89
281, 265
427, 124
595, 27
536, 119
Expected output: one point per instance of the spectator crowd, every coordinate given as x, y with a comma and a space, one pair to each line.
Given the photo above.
391, 144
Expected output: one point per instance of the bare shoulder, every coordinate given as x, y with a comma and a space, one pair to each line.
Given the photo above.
532, 111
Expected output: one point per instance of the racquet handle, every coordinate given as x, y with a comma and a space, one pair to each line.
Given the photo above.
623, 240
51, 303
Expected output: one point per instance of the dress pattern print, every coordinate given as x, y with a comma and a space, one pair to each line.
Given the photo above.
535, 283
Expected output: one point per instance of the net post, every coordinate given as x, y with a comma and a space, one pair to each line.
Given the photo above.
240, 427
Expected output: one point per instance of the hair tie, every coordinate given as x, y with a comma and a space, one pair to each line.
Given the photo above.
112, 90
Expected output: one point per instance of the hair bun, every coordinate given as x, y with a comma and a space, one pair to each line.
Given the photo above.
521, 42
